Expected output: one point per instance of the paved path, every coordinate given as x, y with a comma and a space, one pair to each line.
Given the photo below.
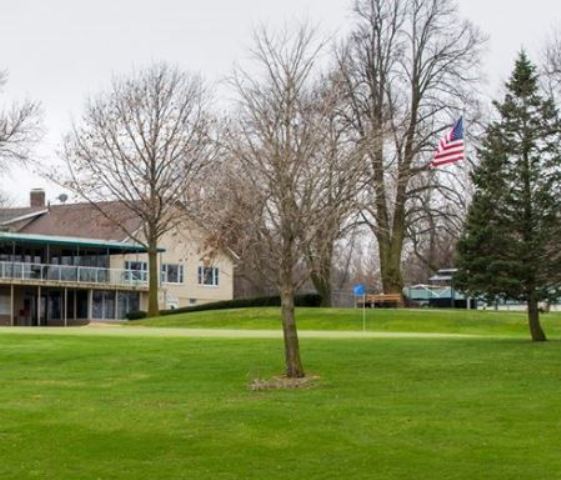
112, 330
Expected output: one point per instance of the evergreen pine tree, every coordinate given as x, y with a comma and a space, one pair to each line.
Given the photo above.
510, 245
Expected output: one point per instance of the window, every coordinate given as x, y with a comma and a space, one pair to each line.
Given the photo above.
103, 306
208, 276
127, 302
5, 304
137, 271
172, 273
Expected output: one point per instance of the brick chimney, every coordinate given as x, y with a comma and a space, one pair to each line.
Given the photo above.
37, 198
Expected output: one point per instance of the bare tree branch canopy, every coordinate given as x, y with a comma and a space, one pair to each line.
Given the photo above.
20, 129
143, 143
5, 200
277, 144
551, 66
233, 213
342, 179
236, 209
409, 67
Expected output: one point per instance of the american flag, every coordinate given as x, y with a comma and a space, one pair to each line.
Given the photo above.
451, 147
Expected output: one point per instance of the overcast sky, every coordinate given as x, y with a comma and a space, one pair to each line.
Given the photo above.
60, 51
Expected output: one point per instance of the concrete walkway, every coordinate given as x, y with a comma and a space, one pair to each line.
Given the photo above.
117, 330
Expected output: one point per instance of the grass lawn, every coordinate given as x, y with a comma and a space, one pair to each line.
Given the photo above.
100, 407
427, 321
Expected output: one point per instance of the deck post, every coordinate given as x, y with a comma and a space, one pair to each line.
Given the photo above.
12, 323
75, 305
65, 306
39, 306
90, 305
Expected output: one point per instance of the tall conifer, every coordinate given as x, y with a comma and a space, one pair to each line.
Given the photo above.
510, 246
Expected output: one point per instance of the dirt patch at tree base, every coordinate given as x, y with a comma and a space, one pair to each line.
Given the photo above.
283, 383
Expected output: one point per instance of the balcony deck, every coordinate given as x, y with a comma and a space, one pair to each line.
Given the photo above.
64, 276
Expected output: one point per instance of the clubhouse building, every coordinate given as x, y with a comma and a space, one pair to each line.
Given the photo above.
69, 264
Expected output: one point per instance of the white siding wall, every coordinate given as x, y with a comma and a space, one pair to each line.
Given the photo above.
184, 247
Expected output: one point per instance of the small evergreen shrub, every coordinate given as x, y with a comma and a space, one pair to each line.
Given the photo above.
137, 315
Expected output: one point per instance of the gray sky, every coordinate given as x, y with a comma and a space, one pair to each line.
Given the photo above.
60, 51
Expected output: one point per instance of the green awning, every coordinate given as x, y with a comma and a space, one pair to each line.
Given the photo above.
75, 242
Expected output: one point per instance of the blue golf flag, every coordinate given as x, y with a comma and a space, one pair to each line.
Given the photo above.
359, 290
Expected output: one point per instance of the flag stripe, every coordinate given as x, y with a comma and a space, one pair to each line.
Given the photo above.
455, 148
448, 161
456, 151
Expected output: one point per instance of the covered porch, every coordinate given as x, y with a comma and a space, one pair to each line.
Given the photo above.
59, 281
22, 305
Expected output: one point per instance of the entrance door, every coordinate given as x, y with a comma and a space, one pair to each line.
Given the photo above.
103, 307
44, 317
28, 312
54, 306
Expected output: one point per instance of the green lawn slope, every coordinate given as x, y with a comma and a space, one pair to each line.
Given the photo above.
422, 321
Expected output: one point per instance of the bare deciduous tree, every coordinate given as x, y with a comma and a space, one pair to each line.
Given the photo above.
552, 57
20, 129
409, 68
277, 146
5, 200
143, 143
551, 65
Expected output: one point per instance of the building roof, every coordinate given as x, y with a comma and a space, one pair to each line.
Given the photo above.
11, 214
77, 221
441, 278
85, 221
77, 225
82, 220
431, 292
444, 275
113, 246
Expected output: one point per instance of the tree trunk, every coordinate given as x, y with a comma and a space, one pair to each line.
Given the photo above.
390, 268
293, 362
153, 281
323, 288
536, 330
321, 278
294, 367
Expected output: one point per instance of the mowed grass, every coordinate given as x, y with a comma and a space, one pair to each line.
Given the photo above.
80, 407
380, 320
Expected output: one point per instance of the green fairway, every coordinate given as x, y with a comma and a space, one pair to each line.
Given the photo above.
129, 407
422, 321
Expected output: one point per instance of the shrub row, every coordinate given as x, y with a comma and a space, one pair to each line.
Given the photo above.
306, 300
136, 315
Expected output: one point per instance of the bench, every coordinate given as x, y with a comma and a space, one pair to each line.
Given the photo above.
390, 300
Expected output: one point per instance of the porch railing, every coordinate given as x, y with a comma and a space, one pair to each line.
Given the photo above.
72, 274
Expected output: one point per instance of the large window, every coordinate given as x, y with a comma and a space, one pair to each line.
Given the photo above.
103, 306
137, 271
127, 302
172, 273
208, 276
5, 304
